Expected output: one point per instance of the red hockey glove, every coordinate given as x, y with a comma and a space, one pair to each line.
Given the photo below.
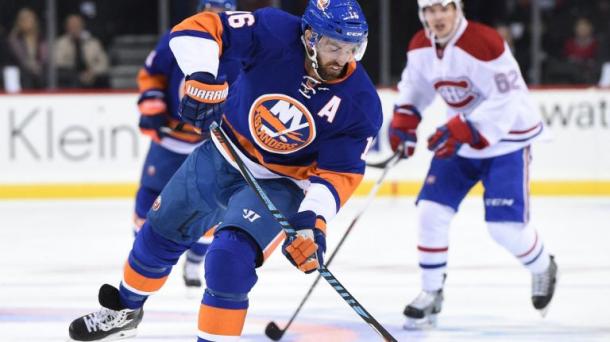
309, 242
457, 131
203, 100
153, 113
403, 129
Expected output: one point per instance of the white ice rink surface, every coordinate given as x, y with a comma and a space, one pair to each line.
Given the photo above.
55, 255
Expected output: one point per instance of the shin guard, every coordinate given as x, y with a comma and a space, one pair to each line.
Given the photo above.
230, 275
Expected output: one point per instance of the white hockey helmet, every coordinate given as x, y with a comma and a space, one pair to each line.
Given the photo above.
427, 3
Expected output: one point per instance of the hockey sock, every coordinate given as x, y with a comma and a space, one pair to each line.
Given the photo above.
150, 262
230, 275
523, 242
433, 243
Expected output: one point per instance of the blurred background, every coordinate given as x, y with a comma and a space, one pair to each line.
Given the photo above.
555, 41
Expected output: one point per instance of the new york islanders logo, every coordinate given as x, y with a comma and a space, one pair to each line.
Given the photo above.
281, 124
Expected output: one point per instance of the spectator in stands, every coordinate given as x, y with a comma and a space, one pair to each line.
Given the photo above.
581, 50
28, 49
583, 46
80, 57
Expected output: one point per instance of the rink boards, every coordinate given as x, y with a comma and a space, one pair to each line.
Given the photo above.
75, 145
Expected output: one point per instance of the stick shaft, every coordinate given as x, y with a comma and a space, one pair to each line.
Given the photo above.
281, 219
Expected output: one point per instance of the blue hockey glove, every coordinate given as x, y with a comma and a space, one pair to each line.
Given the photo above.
203, 100
153, 113
309, 242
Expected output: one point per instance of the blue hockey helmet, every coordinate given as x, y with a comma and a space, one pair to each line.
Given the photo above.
227, 5
342, 20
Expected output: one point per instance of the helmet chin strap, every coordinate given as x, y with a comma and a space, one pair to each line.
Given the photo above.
313, 58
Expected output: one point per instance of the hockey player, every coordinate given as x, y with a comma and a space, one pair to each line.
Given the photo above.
491, 124
302, 114
160, 83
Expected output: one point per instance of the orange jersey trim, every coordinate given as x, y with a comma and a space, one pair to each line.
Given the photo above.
344, 183
273, 244
204, 22
140, 282
147, 81
222, 322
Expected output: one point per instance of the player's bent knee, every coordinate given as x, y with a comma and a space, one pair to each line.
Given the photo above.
433, 215
230, 263
505, 232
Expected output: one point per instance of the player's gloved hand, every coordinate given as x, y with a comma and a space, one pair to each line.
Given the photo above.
403, 129
457, 131
203, 100
153, 113
309, 242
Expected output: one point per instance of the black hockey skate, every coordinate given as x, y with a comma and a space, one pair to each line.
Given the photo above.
191, 274
112, 322
422, 311
543, 287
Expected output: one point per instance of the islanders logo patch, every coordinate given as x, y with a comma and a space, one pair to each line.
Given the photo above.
323, 4
281, 124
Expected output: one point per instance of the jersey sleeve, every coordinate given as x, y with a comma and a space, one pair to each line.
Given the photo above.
413, 89
201, 41
155, 73
341, 165
499, 80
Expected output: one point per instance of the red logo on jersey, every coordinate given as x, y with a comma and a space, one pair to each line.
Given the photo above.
323, 4
281, 124
460, 93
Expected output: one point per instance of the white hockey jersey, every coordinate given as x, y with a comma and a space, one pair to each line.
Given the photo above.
476, 75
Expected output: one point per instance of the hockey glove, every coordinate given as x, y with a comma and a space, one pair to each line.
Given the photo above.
203, 100
403, 129
153, 113
457, 131
309, 242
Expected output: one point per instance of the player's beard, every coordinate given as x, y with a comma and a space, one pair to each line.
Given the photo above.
326, 72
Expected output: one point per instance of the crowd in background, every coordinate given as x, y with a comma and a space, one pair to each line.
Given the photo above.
575, 36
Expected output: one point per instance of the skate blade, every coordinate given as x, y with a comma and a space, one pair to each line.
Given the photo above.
116, 336
414, 324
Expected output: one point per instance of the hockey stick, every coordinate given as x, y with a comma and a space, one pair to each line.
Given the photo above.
384, 163
281, 219
272, 330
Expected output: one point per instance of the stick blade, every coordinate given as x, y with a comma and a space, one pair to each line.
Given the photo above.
274, 332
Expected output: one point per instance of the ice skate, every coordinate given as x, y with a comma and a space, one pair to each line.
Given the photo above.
191, 273
111, 323
543, 287
422, 311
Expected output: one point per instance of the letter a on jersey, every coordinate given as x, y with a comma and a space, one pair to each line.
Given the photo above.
281, 124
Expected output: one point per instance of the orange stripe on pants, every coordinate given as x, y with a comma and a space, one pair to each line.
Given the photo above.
222, 322
140, 282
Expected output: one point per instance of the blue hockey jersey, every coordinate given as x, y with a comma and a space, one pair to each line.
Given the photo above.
284, 124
